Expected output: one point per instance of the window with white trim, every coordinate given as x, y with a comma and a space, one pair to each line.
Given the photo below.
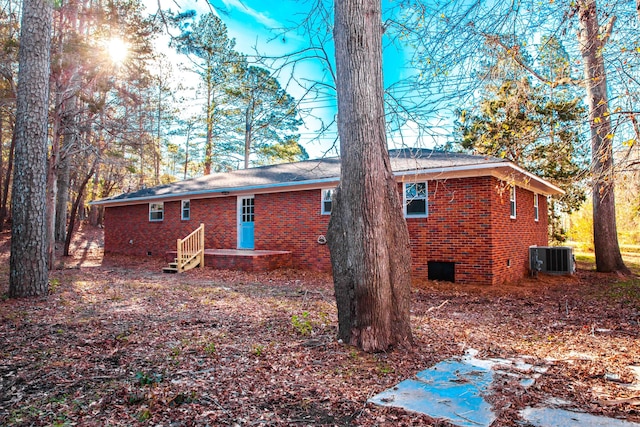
512, 200
536, 211
185, 210
415, 199
156, 211
327, 200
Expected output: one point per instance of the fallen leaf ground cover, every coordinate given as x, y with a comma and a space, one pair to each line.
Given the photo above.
119, 343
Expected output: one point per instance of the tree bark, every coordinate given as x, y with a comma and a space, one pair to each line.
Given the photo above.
7, 182
208, 146
68, 130
248, 128
62, 201
1, 160
28, 274
94, 211
605, 235
74, 210
50, 205
368, 237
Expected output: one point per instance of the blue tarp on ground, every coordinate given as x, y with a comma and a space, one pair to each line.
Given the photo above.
554, 417
455, 390
452, 389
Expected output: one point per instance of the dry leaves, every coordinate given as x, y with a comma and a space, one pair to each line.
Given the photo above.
119, 343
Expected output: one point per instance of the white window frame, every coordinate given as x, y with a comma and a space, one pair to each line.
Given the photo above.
512, 202
186, 217
156, 208
405, 202
536, 207
323, 200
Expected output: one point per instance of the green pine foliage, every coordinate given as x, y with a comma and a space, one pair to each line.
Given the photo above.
535, 125
246, 116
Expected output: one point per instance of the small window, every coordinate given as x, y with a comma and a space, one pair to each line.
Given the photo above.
536, 211
512, 200
186, 210
156, 211
327, 200
415, 199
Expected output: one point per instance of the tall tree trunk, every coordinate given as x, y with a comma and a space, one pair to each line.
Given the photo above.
74, 209
2, 133
368, 237
28, 274
69, 139
52, 178
7, 181
248, 130
208, 147
62, 201
605, 236
186, 152
50, 205
94, 212
141, 147
157, 156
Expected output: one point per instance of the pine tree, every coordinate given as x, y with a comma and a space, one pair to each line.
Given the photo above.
28, 274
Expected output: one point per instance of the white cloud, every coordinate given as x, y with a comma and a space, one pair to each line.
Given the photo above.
258, 16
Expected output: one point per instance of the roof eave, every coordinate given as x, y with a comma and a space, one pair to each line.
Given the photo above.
219, 192
507, 171
503, 170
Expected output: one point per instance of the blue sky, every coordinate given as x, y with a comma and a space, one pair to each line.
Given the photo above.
257, 21
256, 24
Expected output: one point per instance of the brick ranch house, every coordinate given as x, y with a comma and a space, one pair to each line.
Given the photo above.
471, 218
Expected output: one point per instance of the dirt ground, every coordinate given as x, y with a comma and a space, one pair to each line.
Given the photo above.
119, 343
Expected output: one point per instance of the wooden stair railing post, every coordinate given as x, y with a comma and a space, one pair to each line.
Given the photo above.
201, 245
190, 249
179, 256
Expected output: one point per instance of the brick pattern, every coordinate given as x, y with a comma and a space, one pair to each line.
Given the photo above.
458, 229
259, 261
468, 224
512, 237
293, 222
244, 263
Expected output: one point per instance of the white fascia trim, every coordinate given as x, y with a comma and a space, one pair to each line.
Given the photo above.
281, 186
470, 168
318, 183
536, 178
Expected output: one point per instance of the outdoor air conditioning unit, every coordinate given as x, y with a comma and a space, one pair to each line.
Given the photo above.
551, 260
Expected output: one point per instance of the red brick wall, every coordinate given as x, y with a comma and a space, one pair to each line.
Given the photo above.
468, 224
128, 229
456, 230
293, 222
283, 221
512, 237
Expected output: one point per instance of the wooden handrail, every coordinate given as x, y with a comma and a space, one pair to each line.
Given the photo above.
191, 248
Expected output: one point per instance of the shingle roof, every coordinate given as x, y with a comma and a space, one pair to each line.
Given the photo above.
299, 173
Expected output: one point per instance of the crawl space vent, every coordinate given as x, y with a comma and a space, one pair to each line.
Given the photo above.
445, 271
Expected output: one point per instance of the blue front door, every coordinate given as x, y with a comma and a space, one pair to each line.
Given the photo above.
245, 222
